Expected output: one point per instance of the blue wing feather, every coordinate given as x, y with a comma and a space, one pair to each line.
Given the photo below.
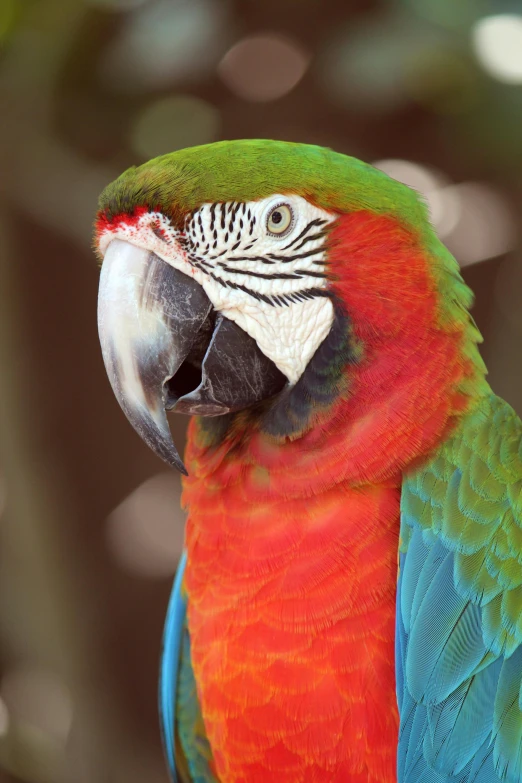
170, 656
448, 693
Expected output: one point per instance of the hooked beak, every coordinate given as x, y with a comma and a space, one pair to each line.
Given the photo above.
164, 347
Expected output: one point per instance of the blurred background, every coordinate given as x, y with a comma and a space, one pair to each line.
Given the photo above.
90, 532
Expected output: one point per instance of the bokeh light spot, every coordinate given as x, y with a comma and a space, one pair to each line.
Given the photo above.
414, 175
497, 41
263, 67
443, 205
145, 532
472, 218
485, 228
173, 123
38, 698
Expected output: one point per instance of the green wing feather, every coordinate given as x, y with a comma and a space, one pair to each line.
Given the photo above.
459, 606
194, 747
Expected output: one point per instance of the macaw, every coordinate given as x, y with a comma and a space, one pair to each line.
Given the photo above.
348, 606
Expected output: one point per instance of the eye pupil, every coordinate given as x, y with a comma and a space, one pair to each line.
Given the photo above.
276, 217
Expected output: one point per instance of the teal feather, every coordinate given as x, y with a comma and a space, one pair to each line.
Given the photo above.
507, 727
459, 724
459, 606
482, 770
408, 710
400, 636
410, 572
415, 740
433, 558
446, 642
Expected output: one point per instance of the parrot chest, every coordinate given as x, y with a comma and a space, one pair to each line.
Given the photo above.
291, 618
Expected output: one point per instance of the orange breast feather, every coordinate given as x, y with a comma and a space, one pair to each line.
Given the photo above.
291, 615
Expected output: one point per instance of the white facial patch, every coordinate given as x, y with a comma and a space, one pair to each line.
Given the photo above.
261, 263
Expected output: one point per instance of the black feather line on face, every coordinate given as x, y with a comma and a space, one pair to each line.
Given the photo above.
213, 217
311, 238
267, 276
310, 273
287, 259
306, 229
273, 300
237, 287
262, 259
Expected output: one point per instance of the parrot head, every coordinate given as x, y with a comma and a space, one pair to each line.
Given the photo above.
233, 271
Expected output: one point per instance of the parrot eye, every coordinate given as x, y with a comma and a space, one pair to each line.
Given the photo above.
280, 220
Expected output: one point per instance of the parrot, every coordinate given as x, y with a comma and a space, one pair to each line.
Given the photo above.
347, 607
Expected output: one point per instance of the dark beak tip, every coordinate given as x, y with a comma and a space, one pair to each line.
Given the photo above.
170, 456
167, 452
181, 467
